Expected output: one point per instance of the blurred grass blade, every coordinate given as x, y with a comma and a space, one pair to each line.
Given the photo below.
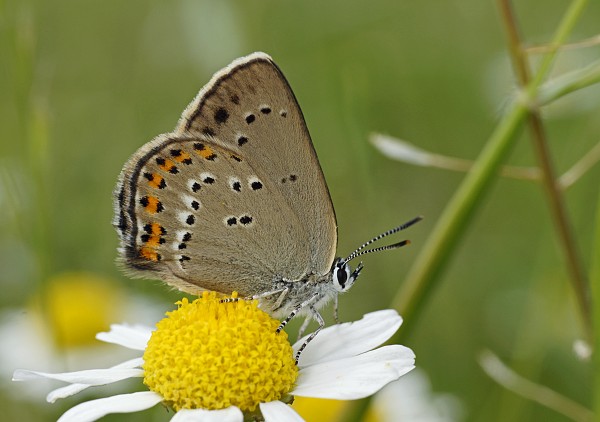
523, 387
405, 152
585, 43
568, 83
580, 168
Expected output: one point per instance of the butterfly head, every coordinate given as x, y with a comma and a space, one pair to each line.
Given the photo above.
342, 275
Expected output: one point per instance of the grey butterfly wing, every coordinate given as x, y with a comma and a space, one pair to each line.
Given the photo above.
233, 199
251, 108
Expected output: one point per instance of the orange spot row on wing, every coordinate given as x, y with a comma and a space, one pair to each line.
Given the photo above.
157, 181
152, 240
183, 157
167, 165
205, 152
152, 204
149, 253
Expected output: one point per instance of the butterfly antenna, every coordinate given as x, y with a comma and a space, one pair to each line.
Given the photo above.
359, 251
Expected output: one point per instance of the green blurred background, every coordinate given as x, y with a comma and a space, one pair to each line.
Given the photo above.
84, 84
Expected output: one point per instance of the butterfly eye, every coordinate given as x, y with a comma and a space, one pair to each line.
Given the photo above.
341, 277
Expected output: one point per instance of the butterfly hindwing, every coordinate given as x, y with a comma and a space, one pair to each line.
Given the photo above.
235, 197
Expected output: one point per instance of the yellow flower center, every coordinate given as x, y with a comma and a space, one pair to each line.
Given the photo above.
211, 355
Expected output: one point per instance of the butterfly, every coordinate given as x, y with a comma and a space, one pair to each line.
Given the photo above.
234, 199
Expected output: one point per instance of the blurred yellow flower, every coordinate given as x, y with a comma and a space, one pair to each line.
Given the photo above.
313, 409
74, 306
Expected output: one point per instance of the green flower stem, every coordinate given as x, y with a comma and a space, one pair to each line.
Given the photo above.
412, 297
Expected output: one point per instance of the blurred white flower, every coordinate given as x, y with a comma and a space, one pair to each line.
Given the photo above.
57, 330
411, 399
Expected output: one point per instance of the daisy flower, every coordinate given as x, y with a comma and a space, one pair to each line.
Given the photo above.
212, 360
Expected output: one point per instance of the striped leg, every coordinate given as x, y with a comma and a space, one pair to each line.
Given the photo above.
317, 316
282, 291
335, 309
297, 309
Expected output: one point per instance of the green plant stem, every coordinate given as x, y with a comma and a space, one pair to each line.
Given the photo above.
411, 298
455, 218
423, 275
550, 181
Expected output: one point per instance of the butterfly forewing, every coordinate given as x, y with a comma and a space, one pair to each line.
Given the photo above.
250, 106
235, 197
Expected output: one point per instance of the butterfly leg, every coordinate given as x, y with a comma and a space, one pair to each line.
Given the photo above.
281, 297
297, 309
231, 299
335, 310
304, 326
317, 316
283, 292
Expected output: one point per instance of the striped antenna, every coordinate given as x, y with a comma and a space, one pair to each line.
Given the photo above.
406, 225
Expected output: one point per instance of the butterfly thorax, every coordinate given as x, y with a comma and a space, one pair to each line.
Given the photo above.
310, 293
286, 296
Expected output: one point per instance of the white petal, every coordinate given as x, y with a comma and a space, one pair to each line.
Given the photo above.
351, 338
276, 411
70, 390
123, 403
131, 336
355, 377
231, 414
63, 392
89, 377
